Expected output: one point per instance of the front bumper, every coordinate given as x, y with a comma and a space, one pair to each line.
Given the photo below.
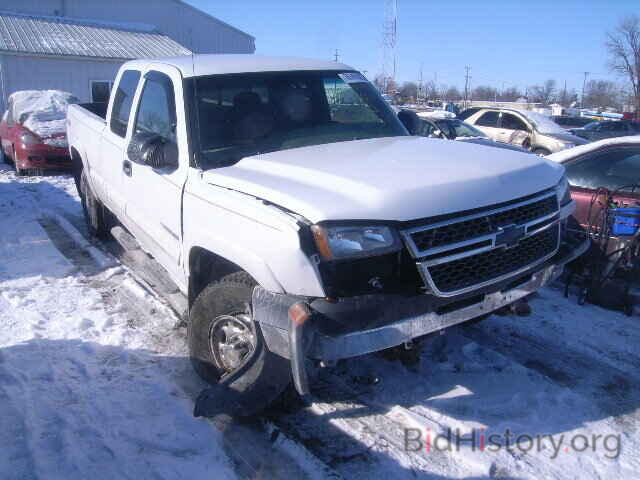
327, 336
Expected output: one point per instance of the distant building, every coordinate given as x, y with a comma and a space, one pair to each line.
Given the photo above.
78, 45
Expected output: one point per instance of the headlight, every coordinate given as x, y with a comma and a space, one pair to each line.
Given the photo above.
337, 242
29, 139
563, 191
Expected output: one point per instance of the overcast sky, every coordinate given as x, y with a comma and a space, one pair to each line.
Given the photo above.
516, 42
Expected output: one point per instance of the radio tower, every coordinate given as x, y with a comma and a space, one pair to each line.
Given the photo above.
389, 42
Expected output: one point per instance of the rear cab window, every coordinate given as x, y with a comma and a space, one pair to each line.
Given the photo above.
123, 101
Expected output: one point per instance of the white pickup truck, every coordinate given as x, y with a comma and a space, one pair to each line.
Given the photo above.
286, 200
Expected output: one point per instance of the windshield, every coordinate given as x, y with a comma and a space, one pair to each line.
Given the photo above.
240, 115
453, 129
543, 123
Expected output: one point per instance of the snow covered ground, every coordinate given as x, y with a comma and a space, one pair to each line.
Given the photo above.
95, 382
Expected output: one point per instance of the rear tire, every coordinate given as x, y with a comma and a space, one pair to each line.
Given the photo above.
234, 353
3, 158
94, 211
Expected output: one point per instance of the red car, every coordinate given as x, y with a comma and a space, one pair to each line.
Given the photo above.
33, 130
613, 164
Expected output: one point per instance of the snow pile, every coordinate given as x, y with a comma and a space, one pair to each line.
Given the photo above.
44, 112
437, 114
94, 379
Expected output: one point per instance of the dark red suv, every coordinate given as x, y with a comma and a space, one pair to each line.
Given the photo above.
33, 130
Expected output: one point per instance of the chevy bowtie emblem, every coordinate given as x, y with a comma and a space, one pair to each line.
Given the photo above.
509, 236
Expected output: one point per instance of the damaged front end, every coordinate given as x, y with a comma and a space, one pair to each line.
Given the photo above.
443, 272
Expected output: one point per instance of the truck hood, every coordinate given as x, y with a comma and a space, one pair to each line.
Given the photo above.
397, 178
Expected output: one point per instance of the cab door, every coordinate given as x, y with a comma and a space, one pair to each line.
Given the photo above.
154, 195
107, 173
512, 129
488, 124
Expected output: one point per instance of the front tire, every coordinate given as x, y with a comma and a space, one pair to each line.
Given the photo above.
543, 152
94, 212
227, 348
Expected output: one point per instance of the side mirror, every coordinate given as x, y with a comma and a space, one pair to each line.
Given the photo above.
410, 120
153, 150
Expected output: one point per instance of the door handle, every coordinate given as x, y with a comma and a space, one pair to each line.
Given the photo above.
126, 168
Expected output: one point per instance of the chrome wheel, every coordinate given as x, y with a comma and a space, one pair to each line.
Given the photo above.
231, 341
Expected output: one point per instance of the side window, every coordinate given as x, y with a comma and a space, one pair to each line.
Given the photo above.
123, 101
511, 122
157, 110
425, 128
489, 119
612, 169
346, 106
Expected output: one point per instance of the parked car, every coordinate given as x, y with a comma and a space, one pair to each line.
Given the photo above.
301, 237
529, 130
566, 121
454, 129
33, 130
600, 130
612, 163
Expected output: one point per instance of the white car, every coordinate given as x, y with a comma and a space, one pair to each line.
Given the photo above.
529, 130
287, 201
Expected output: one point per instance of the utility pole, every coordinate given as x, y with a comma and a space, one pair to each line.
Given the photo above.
584, 84
467, 77
336, 56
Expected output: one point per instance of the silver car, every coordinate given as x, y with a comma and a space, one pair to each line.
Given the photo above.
530, 130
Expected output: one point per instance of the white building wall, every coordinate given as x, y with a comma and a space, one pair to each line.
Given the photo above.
42, 73
187, 25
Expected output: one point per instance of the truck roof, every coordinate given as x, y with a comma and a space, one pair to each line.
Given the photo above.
215, 64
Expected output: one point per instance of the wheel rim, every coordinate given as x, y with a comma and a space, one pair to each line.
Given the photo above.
231, 341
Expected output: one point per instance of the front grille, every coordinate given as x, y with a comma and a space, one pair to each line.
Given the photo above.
477, 227
487, 266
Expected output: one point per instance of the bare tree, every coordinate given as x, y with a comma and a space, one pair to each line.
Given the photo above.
385, 84
567, 98
601, 94
452, 94
544, 94
511, 94
484, 92
408, 92
623, 44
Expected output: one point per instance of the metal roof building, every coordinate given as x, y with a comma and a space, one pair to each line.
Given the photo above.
78, 45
